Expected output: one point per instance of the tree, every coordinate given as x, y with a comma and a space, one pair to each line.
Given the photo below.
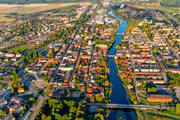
32, 99
43, 117
153, 89
172, 108
178, 108
57, 108
48, 88
168, 108
39, 54
133, 97
72, 109
120, 118
57, 116
48, 118
92, 99
14, 72
99, 116
35, 55
22, 85
106, 83
2, 113
99, 98
13, 77
79, 119
12, 90
136, 47
101, 110
118, 47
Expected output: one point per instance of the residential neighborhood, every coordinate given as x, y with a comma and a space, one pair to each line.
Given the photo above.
92, 60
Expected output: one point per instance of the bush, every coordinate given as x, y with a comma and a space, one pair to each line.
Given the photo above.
178, 108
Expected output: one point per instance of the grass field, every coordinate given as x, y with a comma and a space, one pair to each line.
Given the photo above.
166, 113
33, 8
20, 49
153, 117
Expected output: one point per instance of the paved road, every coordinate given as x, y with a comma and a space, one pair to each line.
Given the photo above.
178, 91
139, 115
5, 82
146, 115
36, 108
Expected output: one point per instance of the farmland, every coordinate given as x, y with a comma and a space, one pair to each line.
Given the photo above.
38, 1
6, 19
33, 8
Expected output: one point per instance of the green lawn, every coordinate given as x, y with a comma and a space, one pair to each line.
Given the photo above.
167, 113
20, 49
154, 117
178, 82
154, 103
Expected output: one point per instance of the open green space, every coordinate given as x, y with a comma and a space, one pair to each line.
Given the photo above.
166, 113
20, 49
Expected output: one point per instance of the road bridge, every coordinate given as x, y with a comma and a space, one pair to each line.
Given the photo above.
111, 56
118, 34
126, 106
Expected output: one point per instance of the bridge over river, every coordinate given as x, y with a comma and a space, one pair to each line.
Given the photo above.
111, 56
118, 34
126, 106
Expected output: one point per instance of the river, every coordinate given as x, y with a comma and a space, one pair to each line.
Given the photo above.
119, 94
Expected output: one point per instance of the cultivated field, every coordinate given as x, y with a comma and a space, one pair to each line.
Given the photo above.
33, 8
6, 19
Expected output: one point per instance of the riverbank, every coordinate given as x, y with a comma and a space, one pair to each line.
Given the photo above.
133, 99
119, 94
131, 22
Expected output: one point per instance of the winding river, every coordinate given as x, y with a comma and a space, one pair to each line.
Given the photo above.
119, 94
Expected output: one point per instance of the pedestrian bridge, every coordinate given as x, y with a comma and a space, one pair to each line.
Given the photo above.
126, 106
